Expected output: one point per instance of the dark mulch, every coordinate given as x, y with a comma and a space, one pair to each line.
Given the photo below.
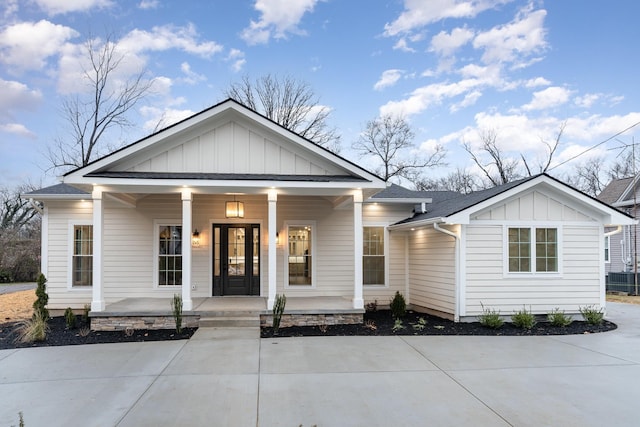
383, 322
60, 335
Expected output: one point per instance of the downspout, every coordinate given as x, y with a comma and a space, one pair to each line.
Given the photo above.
456, 314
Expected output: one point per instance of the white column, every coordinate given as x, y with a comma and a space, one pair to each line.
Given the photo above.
187, 302
358, 301
272, 197
97, 299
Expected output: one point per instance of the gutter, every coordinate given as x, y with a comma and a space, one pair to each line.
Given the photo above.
616, 231
456, 314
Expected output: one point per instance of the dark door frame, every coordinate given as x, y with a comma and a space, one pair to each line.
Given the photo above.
224, 283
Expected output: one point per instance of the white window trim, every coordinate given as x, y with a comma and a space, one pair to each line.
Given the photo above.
71, 225
386, 254
607, 249
314, 253
533, 273
156, 252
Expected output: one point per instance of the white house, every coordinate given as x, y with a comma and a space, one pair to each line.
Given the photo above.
229, 203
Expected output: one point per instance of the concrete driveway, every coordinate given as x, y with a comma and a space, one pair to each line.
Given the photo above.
236, 379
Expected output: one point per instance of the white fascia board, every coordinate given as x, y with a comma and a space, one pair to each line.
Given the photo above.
418, 224
399, 200
56, 196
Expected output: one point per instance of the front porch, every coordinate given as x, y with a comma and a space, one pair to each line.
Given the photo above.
156, 313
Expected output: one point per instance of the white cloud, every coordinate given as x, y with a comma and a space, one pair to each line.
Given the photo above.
190, 77
27, 45
148, 4
513, 41
402, 45
538, 81
17, 96
17, 129
548, 98
167, 37
55, 7
278, 18
388, 78
446, 44
587, 100
418, 13
236, 57
160, 118
469, 99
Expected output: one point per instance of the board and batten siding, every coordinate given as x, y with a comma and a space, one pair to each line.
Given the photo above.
486, 281
432, 270
232, 147
375, 214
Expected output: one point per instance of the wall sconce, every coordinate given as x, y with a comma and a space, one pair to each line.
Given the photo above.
277, 239
234, 209
195, 239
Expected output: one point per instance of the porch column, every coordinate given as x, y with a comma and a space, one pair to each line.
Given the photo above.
187, 303
97, 298
358, 301
272, 197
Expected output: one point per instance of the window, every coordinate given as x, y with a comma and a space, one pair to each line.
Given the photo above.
522, 259
607, 248
373, 256
82, 259
170, 255
300, 257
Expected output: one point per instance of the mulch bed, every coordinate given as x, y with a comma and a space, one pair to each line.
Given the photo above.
381, 323
60, 335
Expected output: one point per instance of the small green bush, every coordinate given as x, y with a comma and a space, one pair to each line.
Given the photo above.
557, 318
422, 323
34, 329
176, 308
278, 308
398, 306
523, 319
40, 304
592, 314
85, 313
70, 318
490, 318
397, 325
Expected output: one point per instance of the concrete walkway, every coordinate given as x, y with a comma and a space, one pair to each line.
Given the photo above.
222, 378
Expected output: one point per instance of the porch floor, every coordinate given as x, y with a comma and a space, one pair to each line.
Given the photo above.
213, 305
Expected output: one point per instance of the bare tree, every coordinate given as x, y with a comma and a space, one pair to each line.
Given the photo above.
104, 105
544, 165
499, 169
389, 139
460, 181
586, 176
622, 167
289, 102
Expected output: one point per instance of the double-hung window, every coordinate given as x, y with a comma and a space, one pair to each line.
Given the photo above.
373, 258
82, 258
533, 250
607, 248
169, 240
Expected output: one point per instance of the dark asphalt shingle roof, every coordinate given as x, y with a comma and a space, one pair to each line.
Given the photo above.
58, 189
395, 191
614, 190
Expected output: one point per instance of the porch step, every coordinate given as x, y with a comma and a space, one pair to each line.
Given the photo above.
230, 321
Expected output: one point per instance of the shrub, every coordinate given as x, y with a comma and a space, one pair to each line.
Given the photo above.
371, 307
397, 325
85, 313
278, 309
592, 314
70, 318
422, 323
34, 329
523, 319
398, 306
490, 318
370, 324
40, 304
176, 308
557, 318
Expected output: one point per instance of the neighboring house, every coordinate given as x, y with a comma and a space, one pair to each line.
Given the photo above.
621, 244
228, 202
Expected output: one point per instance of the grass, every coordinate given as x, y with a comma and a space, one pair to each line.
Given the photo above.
628, 299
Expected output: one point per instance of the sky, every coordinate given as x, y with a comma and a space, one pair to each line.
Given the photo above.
454, 69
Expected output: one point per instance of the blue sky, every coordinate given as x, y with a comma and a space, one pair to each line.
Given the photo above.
453, 68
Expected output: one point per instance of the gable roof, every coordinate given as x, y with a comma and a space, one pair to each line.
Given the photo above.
615, 190
395, 192
457, 210
119, 167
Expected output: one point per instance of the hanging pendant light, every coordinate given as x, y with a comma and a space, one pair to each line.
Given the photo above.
234, 209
